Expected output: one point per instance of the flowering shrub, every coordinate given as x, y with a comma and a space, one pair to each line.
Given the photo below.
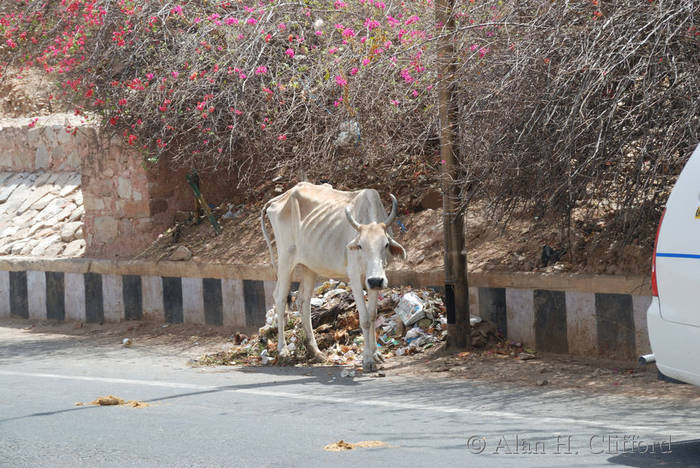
561, 103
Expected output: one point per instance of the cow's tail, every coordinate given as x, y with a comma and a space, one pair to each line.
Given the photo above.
263, 212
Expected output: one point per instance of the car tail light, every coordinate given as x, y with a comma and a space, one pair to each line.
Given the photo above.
654, 286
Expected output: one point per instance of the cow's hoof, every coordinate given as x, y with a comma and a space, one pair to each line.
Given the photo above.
317, 357
369, 365
378, 357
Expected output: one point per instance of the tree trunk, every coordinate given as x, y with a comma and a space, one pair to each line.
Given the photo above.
456, 288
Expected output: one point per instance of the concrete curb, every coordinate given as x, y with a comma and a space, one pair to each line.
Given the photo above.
603, 316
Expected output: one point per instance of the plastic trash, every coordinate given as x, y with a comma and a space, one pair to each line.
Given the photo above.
270, 317
126, 342
473, 319
410, 309
265, 357
413, 333
332, 293
316, 302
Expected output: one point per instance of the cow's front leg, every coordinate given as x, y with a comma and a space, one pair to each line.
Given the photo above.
368, 364
372, 296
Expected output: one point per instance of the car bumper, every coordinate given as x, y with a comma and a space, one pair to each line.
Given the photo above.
676, 346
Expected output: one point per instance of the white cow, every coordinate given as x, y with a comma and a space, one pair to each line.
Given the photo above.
333, 234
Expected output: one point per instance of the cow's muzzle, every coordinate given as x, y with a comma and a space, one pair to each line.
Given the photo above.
376, 282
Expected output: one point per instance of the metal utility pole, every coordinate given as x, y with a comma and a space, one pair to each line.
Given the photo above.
456, 288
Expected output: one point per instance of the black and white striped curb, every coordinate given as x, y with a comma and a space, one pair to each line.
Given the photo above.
568, 322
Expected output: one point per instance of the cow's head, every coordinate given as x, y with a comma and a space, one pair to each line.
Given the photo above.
373, 244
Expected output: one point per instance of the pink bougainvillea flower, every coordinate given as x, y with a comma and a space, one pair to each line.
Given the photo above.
319, 33
348, 33
411, 19
122, 102
177, 10
340, 80
395, 102
282, 137
415, 93
353, 71
132, 139
243, 76
365, 61
483, 51
251, 20
281, 26
32, 124
149, 76
339, 4
289, 52
175, 74
261, 70
474, 47
231, 21
371, 23
332, 50
442, 161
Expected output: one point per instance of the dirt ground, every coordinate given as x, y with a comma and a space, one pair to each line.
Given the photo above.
191, 342
516, 247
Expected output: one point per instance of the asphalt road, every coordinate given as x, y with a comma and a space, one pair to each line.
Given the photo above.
284, 417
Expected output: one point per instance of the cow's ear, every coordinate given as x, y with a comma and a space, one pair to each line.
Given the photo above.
396, 249
354, 244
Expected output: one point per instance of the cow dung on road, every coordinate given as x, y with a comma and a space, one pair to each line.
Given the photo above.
111, 400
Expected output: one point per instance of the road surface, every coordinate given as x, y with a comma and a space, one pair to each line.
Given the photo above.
271, 416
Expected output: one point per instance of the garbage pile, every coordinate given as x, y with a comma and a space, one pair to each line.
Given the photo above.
409, 321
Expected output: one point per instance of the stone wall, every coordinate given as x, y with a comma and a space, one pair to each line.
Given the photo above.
56, 143
126, 202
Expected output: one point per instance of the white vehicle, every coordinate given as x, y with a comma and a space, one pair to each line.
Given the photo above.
673, 318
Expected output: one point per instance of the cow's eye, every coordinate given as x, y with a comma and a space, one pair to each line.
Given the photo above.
386, 246
359, 247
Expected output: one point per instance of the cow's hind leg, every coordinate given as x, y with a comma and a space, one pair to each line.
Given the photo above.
284, 276
306, 290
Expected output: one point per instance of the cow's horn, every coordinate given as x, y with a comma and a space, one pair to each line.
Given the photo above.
394, 210
351, 220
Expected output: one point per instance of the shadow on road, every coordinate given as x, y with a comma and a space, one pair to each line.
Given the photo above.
685, 453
